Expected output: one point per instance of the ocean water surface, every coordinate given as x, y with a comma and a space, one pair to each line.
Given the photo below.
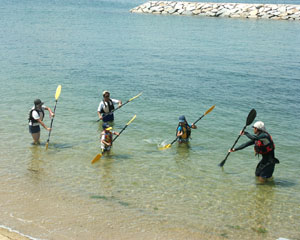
183, 66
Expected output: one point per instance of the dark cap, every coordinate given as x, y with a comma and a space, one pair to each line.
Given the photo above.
38, 102
105, 125
182, 118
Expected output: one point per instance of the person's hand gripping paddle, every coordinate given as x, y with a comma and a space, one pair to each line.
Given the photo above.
250, 119
57, 94
99, 155
170, 144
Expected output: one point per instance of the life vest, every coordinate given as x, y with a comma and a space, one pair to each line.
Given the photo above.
30, 117
186, 131
108, 104
264, 145
107, 137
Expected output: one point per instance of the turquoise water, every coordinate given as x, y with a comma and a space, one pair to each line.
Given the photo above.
183, 65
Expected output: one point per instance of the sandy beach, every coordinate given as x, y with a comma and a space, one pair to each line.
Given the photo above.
8, 235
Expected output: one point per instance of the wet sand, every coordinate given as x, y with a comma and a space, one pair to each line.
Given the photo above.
8, 235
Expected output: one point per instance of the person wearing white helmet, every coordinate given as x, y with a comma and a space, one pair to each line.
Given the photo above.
106, 107
264, 145
183, 130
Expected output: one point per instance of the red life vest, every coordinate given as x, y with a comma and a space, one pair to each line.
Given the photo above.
108, 137
264, 145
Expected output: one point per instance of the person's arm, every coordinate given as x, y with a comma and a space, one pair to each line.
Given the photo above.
120, 103
194, 126
179, 131
242, 146
116, 133
99, 110
43, 124
115, 101
51, 114
256, 137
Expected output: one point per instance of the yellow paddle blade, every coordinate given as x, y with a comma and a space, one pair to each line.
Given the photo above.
135, 96
131, 120
47, 146
98, 156
165, 147
58, 90
209, 110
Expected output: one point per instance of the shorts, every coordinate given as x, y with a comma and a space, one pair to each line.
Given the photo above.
34, 129
108, 118
265, 170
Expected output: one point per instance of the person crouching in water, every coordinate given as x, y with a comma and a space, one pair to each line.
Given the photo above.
107, 137
184, 130
264, 145
36, 116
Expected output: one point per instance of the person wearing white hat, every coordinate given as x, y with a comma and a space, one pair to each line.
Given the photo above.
35, 119
264, 145
106, 107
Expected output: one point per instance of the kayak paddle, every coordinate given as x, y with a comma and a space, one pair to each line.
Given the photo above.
57, 94
170, 144
250, 119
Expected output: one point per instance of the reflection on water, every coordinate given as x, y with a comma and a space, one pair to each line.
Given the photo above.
35, 161
261, 208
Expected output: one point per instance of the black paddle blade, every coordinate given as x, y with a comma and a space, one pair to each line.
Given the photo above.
221, 164
251, 117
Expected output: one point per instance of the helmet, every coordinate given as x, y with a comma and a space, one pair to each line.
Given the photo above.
182, 118
259, 125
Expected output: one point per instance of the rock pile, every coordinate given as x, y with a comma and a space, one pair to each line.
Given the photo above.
233, 10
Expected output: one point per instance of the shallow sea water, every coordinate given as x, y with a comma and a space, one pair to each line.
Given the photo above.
183, 65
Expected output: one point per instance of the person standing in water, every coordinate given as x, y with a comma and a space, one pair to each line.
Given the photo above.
264, 145
36, 116
106, 106
107, 137
183, 131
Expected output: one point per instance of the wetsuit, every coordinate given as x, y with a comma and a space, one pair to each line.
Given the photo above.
266, 166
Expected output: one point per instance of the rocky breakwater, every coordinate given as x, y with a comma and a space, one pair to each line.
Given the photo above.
233, 10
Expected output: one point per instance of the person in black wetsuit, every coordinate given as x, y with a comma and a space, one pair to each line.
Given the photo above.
264, 145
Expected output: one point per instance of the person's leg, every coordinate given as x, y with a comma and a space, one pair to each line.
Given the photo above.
264, 172
262, 180
35, 133
36, 137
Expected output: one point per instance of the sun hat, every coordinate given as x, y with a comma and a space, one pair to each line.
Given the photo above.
259, 125
104, 92
38, 102
182, 119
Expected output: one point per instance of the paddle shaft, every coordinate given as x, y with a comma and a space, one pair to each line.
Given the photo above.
199, 119
119, 133
51, 122
223, 162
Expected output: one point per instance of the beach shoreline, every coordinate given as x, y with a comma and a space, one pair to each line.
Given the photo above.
6, 234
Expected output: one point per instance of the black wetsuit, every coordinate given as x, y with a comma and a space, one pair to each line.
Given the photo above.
266, 166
